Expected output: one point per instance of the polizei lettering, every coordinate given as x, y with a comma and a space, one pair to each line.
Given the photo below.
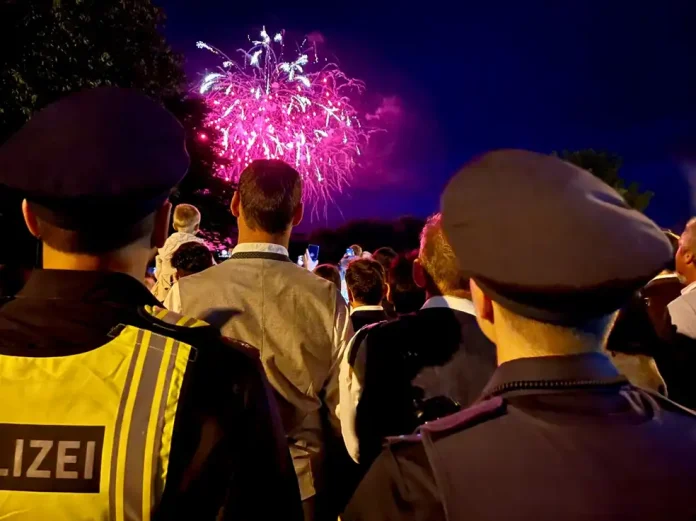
50, 458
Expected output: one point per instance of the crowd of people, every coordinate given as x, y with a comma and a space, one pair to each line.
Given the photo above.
529, 360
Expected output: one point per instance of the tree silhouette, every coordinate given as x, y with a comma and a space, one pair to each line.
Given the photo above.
606, 165
70, 45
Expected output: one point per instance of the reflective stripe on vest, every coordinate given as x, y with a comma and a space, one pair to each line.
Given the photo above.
88, 436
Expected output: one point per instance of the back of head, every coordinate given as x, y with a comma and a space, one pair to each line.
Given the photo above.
329, 272
357, 250
109, 159
270, 192
406, 296
594, 252
365, 281
438, 260
575, 249
187, 218
385, 256
192, 257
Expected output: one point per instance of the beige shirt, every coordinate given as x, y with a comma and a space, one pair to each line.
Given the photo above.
164, 271
301, 326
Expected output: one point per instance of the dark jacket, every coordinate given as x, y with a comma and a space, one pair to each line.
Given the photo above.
223, 473
361, 319
416, 369
555, 438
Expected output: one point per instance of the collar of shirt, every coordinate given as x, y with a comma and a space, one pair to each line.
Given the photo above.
96, 286
264, 247
366, 308
586, 367
689, 288
448, 301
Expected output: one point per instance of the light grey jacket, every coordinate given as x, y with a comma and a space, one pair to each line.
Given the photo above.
301, 326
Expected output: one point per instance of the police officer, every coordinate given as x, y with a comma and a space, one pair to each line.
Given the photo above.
111, 407
558, 434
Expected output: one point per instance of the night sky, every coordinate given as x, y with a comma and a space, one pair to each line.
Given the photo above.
455, 82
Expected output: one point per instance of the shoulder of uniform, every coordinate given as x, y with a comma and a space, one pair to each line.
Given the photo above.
485, 410
185, 329
160, 315
665, 402
482, 411
201, 336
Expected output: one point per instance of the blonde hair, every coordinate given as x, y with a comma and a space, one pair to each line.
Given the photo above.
438, 259
186, 218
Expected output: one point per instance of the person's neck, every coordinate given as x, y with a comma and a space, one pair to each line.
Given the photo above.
512, 346
259, 236
355, 304
133, 263
432, 292
690, 278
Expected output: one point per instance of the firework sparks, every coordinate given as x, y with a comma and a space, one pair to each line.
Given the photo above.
301, 113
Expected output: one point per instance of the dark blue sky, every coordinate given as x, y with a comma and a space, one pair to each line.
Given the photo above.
563, 74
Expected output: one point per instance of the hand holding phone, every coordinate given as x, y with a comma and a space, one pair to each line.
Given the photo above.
311, 259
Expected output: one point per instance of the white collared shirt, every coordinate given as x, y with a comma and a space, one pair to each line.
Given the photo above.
350, 387
366, 308
448, 301
682, 311
173, 300
263, 247
689, 288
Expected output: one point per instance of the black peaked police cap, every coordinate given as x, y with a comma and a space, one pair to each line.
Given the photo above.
106, 154
548, 240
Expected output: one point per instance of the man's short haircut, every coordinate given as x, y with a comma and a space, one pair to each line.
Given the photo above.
438, 259
96, 239
385, 256
270, 192
365, 280
357, 250
192, 257
330, 273
187, 218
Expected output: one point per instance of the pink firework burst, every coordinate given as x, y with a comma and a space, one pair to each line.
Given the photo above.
298, 111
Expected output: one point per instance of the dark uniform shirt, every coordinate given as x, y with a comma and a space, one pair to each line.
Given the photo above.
360, 319
228, 450
417, 368
556, 438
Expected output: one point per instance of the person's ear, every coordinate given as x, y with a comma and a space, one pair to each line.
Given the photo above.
161, 227
298, 215
482, 303
389, 295
350, 296
485, 312
385, 291
419, 275
236, 204
30, 220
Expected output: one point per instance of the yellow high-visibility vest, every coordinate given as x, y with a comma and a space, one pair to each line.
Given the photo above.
88, 436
